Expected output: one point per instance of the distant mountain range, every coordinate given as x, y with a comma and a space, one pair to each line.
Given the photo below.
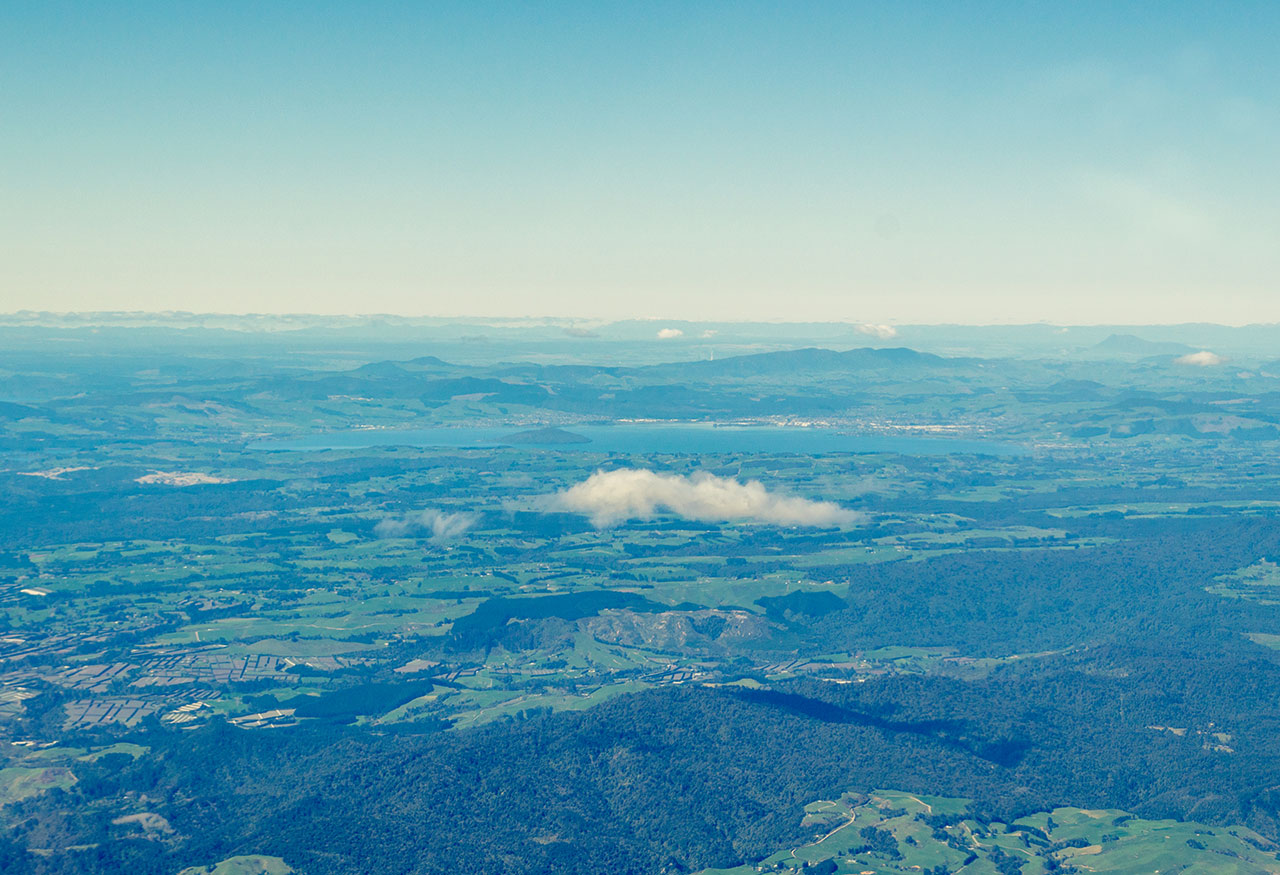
1132, 345
799, 362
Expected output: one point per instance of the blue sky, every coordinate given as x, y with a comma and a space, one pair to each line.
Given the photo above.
911, 162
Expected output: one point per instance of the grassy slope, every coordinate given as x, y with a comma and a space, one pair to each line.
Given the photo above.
1101, 841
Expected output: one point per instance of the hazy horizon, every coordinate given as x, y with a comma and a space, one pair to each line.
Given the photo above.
865, 328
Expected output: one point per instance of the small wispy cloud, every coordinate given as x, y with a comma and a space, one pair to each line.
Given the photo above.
438, 525
611, 497
669, 333
1203, 359
883, 332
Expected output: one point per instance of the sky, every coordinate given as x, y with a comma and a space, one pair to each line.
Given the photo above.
1004, 162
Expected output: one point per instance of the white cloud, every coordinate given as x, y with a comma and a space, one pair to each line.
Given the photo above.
610, 497
884, 332
669, 333
442, 526
1203, 359
709, 333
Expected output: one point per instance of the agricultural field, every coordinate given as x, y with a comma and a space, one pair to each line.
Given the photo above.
242, 865
894, 832
284, 607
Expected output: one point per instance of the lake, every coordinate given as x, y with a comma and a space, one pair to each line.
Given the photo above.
646, 438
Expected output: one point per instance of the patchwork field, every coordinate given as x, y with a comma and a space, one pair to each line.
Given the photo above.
896, 832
